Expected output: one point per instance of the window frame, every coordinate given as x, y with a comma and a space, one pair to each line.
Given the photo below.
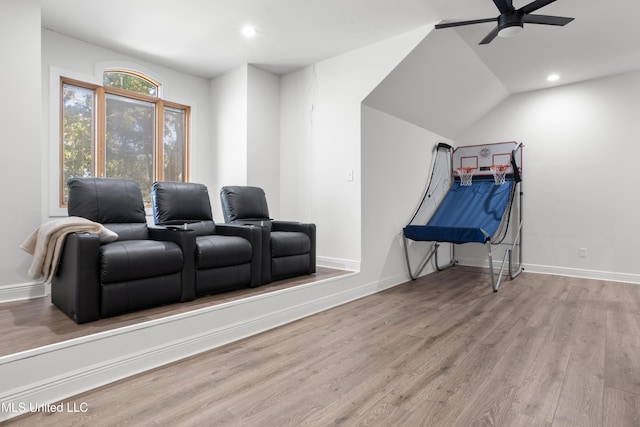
99, 132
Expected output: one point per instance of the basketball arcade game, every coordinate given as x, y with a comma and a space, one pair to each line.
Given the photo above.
473, 205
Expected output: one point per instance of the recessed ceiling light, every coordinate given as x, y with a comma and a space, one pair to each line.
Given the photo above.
248, 31
553, 77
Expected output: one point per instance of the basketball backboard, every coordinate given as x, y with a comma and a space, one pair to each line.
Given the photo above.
482, 157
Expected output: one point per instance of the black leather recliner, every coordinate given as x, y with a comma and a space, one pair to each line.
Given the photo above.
142, 268
225, 257
289, 248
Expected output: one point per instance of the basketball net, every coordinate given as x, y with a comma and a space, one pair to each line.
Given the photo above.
499, 173
466, 175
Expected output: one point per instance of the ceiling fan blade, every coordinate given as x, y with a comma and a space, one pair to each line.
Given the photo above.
460, 23
489, 37
504, 6
535, 5
547, 20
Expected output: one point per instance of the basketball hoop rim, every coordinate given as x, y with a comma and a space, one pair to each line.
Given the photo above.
467, 169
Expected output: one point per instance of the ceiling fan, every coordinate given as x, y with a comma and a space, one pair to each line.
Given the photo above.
511, 20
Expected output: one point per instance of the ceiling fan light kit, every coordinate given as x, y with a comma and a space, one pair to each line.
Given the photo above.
511, 20
508, 32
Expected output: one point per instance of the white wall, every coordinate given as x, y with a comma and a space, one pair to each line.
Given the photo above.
297, 100
397, 158
246, 134
321, 141
229, 133
263, 136
580, 171
20, 120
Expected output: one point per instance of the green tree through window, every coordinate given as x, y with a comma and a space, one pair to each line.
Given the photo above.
78, 128
115, 131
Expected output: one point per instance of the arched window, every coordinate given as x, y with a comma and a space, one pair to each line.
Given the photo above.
122, 129
131, 81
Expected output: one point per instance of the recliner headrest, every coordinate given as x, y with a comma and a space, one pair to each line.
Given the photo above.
243, 203
106, 200
180, 202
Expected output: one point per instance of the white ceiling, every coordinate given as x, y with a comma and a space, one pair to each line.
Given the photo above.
441, 86
203, 37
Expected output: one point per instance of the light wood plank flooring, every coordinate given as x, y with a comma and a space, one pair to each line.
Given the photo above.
441, 351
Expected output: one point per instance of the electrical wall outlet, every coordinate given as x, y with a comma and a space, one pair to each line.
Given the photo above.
582, 252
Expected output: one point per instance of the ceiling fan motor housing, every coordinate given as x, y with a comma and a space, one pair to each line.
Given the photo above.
511, 19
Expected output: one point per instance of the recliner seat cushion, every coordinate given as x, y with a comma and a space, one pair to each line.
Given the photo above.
129, 231
221, 251
128, 260
202, 228
287, 243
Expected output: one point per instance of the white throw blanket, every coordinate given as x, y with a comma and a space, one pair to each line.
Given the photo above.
45, 243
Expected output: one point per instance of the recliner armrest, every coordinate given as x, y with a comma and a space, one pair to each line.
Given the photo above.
255, 237
292, 226
186, 240
307, 228
241, 230
75, 287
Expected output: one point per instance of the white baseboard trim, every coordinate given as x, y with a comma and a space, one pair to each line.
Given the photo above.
559, 271
49, 374
585, 274
340, 264
22, 291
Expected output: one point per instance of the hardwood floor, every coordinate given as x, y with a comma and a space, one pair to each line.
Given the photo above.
36, 322
442, 351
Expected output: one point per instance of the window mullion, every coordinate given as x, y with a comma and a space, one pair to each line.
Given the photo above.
159, 147
187, 140
61, 182
100, 137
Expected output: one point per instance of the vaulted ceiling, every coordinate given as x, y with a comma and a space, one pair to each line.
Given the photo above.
203, 37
